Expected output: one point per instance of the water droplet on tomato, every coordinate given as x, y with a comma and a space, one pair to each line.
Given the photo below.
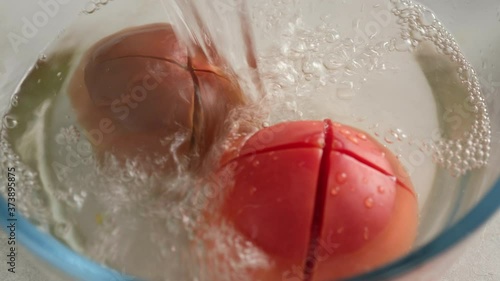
256, 163
362, 136
381, 189
335, 190
345, 131
341, 178
353, 139
369, 202
253, 190
321, 143
366, 233
337, 144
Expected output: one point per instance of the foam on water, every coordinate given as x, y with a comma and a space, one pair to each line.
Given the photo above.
310, 60
94, 5
470, 150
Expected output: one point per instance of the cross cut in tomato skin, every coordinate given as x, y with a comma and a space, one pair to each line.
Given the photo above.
323, 197
157, 99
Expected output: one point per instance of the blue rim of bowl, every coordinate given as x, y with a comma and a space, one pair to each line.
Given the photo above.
82, 268
52, 251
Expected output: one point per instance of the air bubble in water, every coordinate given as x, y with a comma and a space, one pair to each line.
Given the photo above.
427, 17
9, 122
332, 63
14, 101
418, 34
79, 199
419, 23
61, 229
403, 45
90, 7
332, 37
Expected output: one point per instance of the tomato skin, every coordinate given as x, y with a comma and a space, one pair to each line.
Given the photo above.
250, 203
144, 81
368, 216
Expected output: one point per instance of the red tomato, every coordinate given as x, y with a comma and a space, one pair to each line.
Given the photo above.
137, 90
321, 197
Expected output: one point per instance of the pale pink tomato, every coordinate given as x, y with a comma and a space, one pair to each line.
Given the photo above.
322, 197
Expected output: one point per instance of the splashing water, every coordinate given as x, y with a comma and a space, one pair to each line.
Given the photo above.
223, 31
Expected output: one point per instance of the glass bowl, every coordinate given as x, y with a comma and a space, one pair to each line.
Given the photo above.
446, 226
